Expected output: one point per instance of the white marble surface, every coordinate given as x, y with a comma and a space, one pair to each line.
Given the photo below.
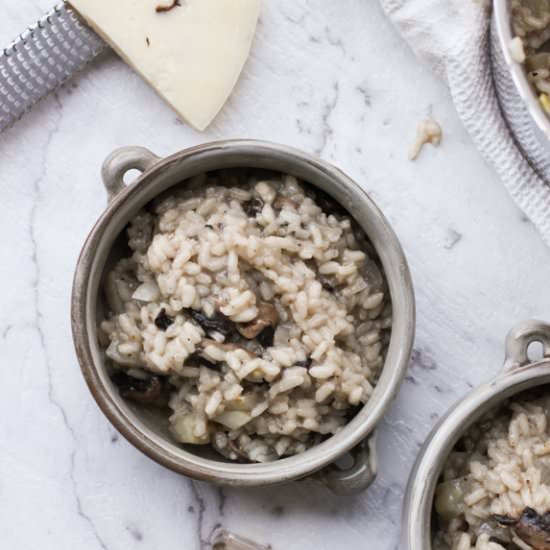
332, 78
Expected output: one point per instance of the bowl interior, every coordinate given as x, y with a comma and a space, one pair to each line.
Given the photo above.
155, 419
149, 430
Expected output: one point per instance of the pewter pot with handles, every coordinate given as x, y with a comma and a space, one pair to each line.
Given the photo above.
105, 245
518, 374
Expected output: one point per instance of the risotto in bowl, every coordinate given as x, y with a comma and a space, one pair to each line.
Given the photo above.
520, 68
482, 481
244, 317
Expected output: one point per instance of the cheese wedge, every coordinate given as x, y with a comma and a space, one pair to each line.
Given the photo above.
190, 51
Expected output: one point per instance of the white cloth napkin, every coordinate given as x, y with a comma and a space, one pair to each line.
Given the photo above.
453, 37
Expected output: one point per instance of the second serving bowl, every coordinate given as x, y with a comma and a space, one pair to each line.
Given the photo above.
519, 374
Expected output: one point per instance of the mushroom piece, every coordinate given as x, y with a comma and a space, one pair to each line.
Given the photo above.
196, 359
326, 203
144, 391
305, 363
531, 528
265, 338
253, 207
326, 284
219, 322
162, 320
267, 317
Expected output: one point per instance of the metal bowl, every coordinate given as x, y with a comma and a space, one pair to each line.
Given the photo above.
518, 375
104, 246
519, 102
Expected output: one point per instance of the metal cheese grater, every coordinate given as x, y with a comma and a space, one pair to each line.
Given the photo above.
42, 58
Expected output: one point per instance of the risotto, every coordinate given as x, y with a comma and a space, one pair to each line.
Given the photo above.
495, 490
251, 308
531, 27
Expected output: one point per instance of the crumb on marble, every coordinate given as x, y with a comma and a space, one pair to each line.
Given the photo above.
427, 131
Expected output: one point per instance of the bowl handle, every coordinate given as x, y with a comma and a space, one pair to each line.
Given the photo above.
356, 478
121, 161
520, 338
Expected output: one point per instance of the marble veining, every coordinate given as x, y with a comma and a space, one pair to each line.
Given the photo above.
334, 79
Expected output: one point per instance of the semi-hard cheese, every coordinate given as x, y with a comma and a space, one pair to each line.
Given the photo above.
190, 51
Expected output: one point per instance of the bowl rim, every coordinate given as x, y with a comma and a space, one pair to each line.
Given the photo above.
503, 23
419, 494
183, 461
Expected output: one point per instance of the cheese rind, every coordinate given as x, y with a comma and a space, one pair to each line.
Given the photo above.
192, 54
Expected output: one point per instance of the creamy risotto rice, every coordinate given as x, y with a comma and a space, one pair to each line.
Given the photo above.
250, 307
495, 491
531, 27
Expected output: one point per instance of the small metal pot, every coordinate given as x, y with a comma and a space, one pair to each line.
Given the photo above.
518, 375
519, 103
104, 246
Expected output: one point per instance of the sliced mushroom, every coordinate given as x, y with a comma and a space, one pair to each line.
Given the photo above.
265, 338
145, 391
507, 521
267, 317
531, 528
253, 207
306, 363
326, 284
196, 359
162, 320
328, 204
219, 322
534, 529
